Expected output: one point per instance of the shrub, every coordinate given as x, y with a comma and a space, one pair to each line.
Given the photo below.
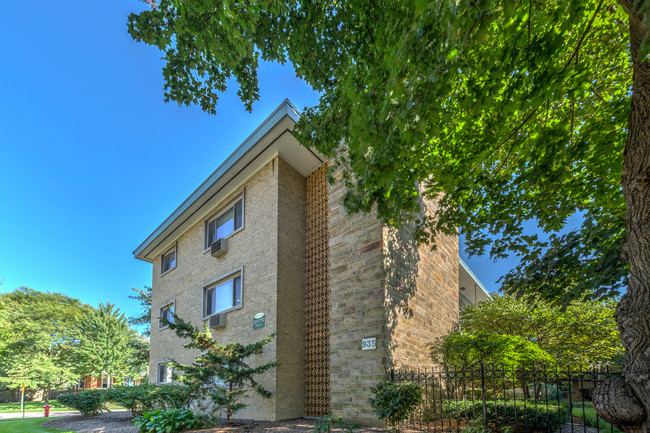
522, 415
328, 422
394, 402
148, 397
89, 402
167, 421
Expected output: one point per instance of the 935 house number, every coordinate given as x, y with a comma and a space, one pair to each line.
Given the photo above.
368, 343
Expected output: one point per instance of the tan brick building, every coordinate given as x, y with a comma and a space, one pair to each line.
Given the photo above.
348, 297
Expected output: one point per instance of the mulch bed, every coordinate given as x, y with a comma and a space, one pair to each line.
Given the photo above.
120, 422
288, 426
111, 422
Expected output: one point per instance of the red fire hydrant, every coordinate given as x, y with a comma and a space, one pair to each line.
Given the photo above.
47, 410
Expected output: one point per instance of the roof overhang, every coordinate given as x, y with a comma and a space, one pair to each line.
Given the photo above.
467, 281
272, 138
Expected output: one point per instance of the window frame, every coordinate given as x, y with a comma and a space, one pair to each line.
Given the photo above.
222, 210
167, 252
218, 281
171, 377
171, 304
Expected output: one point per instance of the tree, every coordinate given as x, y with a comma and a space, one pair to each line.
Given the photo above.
463, 351
105, 344
221, 372
144, 298
504, 111
584, 334
40, 330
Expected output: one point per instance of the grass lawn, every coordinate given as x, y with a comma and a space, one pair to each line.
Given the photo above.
27, 425
31, 406
589, 416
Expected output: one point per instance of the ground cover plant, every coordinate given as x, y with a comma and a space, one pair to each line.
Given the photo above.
27, 425
520, 415
168, 421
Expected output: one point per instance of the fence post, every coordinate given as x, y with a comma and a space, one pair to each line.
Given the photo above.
483, 394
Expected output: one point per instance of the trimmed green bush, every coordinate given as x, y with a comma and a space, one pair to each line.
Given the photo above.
522, 415
148, 397
167, 421
89, 402
394, 402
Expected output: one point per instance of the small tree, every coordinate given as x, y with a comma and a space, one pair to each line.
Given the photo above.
105, 344
221, 372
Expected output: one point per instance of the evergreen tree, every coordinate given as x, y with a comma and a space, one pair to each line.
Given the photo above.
221, 372
105, 344
144, 298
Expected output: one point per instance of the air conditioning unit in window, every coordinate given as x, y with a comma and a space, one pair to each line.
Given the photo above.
218, 321
219, 247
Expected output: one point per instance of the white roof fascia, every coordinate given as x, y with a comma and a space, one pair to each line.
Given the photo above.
474, 277
286, 108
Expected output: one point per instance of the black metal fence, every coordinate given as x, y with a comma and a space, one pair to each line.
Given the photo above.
507, 400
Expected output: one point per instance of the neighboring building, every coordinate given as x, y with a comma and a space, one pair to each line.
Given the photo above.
470, 289
348, 297
92, 382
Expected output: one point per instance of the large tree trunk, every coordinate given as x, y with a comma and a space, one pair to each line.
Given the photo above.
626, 401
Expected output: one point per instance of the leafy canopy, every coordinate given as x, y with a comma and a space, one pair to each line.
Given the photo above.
516, 111
464, 351
583, 334
40, 330
221, 372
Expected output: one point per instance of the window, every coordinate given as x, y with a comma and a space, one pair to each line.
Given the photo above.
166, 312
168, 261
222, 296
105, 379
164, 372
224, 224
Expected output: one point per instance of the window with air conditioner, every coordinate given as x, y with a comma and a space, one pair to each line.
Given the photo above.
224, 224
168, 261
166, 313
223, 295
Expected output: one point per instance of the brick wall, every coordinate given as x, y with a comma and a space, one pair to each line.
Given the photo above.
357, 310
383, 285
253, 249
421, 292
290, 375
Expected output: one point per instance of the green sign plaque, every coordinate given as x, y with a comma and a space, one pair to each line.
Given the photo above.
259, 321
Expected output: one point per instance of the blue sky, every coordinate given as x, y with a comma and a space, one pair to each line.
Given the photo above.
92, 159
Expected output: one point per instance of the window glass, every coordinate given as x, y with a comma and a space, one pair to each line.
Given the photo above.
225, 224
164, 373
166, 312
168, 261
223, 296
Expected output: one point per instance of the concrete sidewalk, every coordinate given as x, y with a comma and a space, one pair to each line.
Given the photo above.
36, 414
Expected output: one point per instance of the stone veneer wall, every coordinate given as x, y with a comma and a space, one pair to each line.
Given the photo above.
421, 293
255, 249
317, 305
290, 375
357, 308
383, 285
